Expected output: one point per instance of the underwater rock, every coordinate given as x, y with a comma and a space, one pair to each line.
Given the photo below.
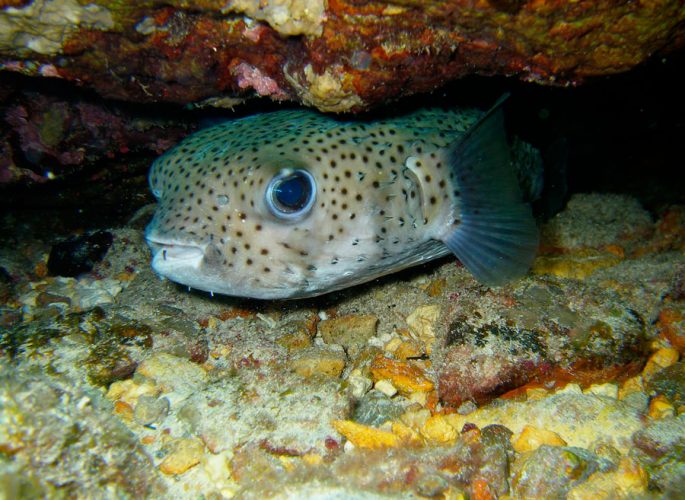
203, 395
78, 254
335, 56
550, 471
659, 448
61, 440
585, 326
670, 382
375, 408
53, 136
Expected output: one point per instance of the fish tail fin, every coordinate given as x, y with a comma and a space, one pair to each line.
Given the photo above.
496, 238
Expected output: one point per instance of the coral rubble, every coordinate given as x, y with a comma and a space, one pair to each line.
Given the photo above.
336, 56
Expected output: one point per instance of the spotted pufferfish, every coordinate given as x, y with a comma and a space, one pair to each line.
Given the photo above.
293, 204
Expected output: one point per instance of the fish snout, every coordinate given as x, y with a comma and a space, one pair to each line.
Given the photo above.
170, 254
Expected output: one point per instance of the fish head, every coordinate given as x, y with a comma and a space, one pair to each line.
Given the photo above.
268, 224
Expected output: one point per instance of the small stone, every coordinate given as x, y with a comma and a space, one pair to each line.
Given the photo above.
660, 407
662, 358
349, 331
358, 383
129, 391
570, 389
672, 327
532, 438
186, 453
123, 410
298, 337
438, 430
669, 382
551, 471
628, 481
375, 408
318, 361
631, 386
420, 398
416, 418
172, 373
409, 349
436, 287
422, 324
406, 377
312, 459
218, 467
363, 436
608, 390
533, 393
150, 410
407, 435
392, 344
386, 387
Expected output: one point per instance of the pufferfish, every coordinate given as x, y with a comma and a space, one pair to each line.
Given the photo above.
293, 204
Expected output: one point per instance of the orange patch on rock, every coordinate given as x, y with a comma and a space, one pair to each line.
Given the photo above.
407, 378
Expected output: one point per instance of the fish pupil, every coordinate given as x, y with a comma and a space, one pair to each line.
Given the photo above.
293, 192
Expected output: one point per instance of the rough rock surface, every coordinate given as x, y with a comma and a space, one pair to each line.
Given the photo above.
338, 55
115, 380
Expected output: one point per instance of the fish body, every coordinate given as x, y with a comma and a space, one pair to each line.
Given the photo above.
295, 204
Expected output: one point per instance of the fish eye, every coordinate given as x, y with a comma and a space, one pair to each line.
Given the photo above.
291, 194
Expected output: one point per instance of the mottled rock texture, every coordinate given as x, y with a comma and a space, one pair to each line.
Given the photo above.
339, 55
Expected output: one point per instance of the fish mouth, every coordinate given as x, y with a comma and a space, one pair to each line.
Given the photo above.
170, 256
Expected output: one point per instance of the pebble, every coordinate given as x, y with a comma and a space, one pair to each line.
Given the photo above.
609, 390
363, 436
431, 486
376, 408
186, 453
296, 337
669, 382
578, 418
467, 407
660, 407
358, 383
406, 377
392, 345
422, 322
129, 391
172, 373
551, 471
386, 387
662, 358
672, 327
531, 438
409, 349
319, 361
349, 331
78, 295
628, 481
438, 430
150, 410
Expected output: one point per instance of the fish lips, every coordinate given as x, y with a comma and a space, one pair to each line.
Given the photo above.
179, 261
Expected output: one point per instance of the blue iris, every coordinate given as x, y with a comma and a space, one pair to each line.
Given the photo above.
291, 193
